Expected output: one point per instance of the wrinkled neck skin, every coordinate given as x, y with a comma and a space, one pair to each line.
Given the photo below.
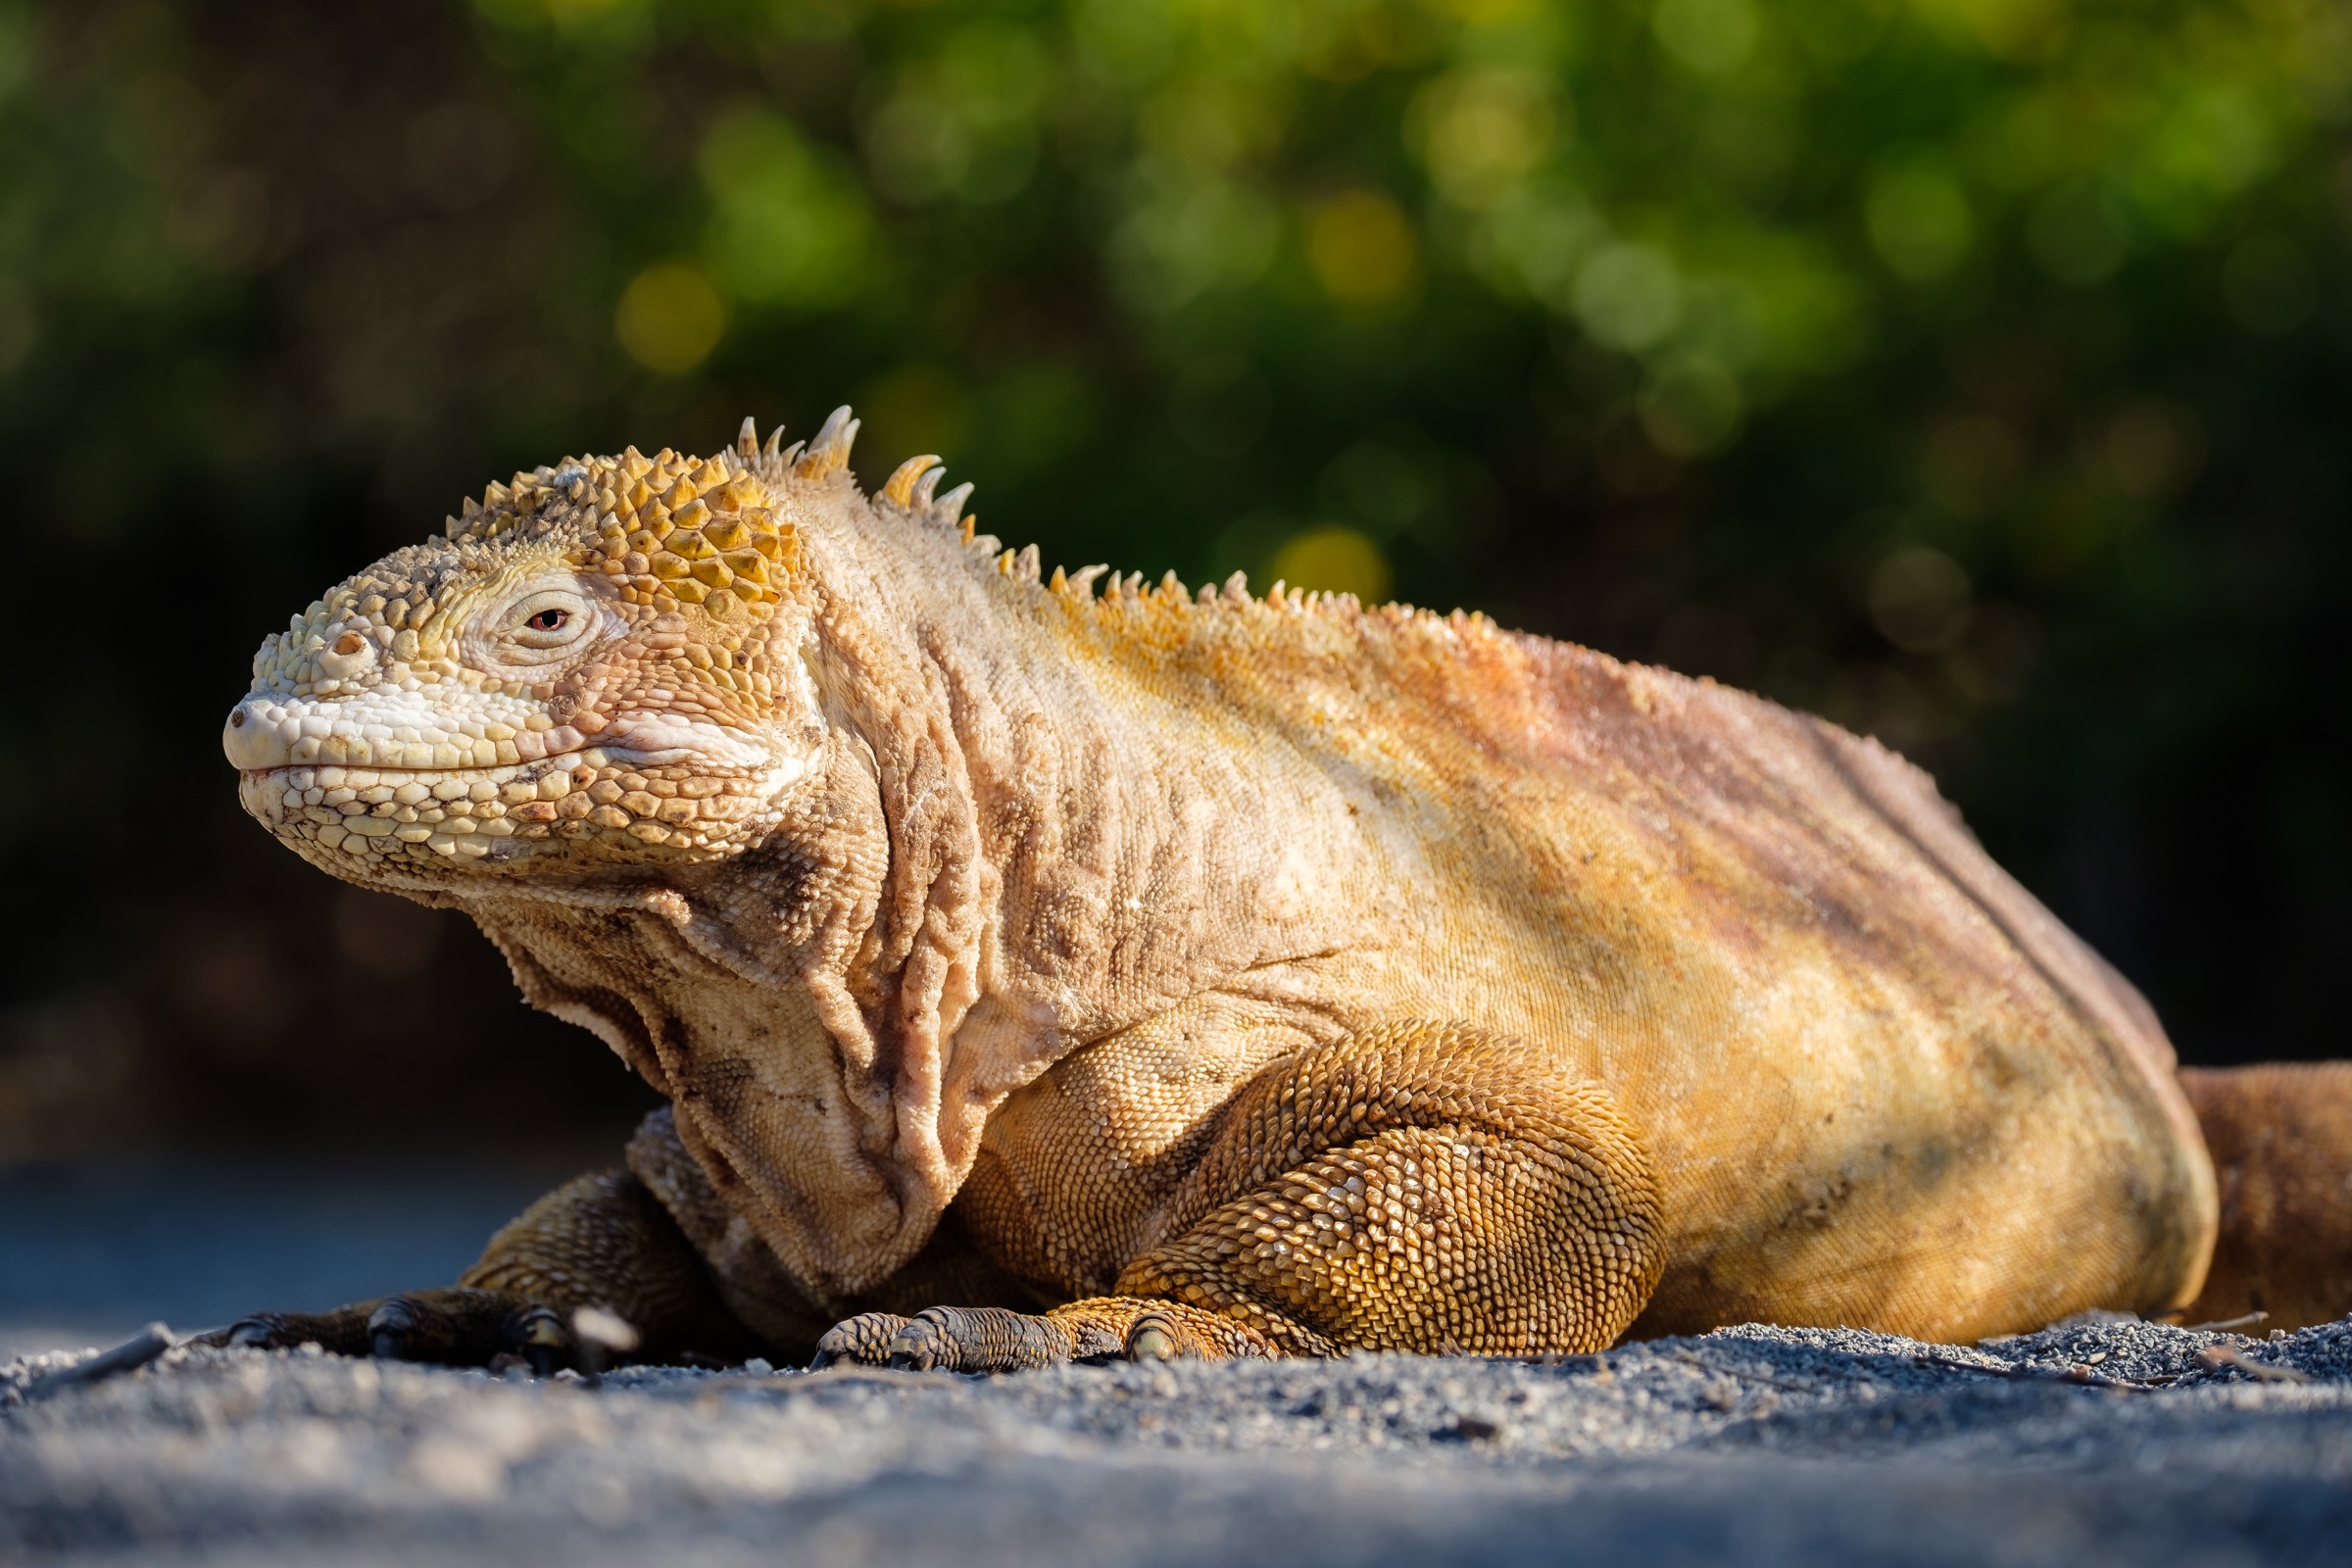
989, 865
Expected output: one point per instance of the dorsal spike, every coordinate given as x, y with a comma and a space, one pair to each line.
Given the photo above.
1060, 582
829, 451
971, 525
746, 439
1025, 563
790, 457
1082, 581
899, 488
1172, 585
775, 443
950, 507
1237, 588
928, 486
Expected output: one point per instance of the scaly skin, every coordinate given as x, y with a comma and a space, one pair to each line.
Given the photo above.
1218, 975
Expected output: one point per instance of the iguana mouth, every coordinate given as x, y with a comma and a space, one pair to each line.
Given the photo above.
496, 813
379, 777
373, 729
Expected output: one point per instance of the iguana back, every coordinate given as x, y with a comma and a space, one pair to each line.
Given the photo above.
1878, 1081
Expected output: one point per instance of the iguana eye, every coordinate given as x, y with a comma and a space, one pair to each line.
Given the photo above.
541, 625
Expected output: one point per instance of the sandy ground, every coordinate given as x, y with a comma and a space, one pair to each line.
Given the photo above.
1752, 1446
1755, 1445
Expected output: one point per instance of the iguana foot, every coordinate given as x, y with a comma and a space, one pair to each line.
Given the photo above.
597, 1259
455, 1326
991, 1339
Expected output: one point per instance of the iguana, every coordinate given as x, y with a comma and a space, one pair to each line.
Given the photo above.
1036, 973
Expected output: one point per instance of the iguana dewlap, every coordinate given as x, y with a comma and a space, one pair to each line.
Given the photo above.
1213, 972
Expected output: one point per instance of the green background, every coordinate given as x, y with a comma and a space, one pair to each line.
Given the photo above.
1971, 371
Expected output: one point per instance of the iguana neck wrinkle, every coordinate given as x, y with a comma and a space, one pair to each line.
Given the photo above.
1066, 861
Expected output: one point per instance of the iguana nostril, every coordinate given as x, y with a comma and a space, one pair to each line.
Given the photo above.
237, 721
349, 655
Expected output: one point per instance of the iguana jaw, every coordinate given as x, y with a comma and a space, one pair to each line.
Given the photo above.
568, 813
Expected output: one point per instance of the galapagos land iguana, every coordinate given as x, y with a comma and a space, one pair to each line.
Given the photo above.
1038, 973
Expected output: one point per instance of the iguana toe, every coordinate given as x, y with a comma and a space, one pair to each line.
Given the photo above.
981, 1338
459, 1326
343, 1331
863, 1341
1152, 1338
455, 1326
994, 1339
949, 1339
545, 1342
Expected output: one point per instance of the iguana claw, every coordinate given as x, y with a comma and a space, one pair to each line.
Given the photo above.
389, 1328
1152, 1338
456, 1325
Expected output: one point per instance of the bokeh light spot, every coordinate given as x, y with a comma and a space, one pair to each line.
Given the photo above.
786, 226
669, 319
2079, 233
1333, 559
1192, 236
1713, 37
1628, 296
1690, 408
1361, 248
1918, 221
1918, 598
2008, 28
1971, 463
1480, 131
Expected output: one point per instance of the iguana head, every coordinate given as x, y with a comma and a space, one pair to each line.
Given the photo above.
599, 664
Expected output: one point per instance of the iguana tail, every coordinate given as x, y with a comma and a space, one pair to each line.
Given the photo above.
2280, 1136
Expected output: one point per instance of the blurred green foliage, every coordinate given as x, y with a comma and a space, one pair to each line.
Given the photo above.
1970, 371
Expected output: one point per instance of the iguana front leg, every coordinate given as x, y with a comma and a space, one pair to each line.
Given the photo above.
1415, 1188
599, 1240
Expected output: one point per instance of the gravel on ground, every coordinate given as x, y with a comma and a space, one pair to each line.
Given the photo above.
2100, 1440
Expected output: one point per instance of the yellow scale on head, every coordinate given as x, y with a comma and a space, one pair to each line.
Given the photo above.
673, 530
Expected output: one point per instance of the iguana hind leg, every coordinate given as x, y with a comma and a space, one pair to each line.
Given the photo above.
1417, 1187
599, 1241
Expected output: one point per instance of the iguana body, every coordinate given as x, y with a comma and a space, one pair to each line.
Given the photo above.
1222, 974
